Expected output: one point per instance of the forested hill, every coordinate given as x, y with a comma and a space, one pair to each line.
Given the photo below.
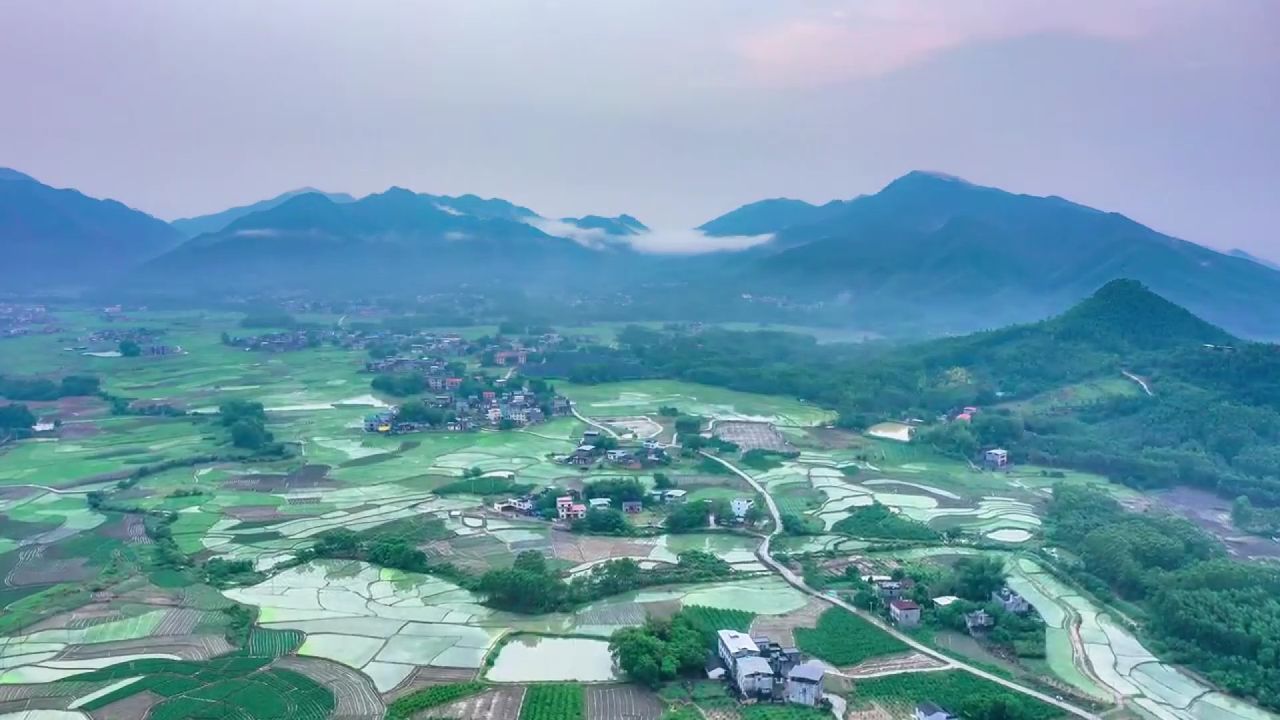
1212, 421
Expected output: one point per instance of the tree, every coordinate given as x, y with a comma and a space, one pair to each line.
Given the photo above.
976, 578
250, 435
689, 425
686, 517
129, 348
662, 482
603, 521
15, 416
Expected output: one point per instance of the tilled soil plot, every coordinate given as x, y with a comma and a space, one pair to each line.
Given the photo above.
133, 707
622, 702
499, 704
781, 628
426, 676
33, 568
355, 696
187, 647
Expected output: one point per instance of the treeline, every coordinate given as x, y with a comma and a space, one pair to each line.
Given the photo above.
529, 585
1214, 421
1219, 616
45, 390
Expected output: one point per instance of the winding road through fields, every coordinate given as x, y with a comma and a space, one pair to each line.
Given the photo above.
796, 581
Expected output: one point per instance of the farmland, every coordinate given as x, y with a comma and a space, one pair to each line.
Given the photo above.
150, 567
842, 639
554, 702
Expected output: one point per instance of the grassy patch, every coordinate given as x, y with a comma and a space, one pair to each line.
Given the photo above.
554, 702
878, 521
952, 689
494, 485
708, 619
843, 639
429, 697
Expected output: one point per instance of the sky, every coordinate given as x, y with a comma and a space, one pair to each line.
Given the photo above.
673, 111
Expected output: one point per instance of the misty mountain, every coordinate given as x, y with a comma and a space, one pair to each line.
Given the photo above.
771, 216
621, 225
395, 241
973, 256
1254, 258
214, 222
59, 239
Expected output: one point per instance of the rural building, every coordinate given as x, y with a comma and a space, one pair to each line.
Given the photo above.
931, 711
584, 455
904, 613
732, 645
740, 506
804, 684
893, 589
452, 383
675, 496
753, 675
979, 621
1011, 601
617, 455
632, 506
945, 600
599, 503
995, 458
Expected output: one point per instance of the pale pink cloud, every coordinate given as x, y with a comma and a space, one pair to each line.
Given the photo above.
865, 38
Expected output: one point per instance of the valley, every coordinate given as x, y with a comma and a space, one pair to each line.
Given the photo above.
153, 562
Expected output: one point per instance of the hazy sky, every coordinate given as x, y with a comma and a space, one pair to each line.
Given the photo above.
1167, 111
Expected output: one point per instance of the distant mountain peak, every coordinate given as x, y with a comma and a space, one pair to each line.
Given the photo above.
621, 225
11, 174
1245, 255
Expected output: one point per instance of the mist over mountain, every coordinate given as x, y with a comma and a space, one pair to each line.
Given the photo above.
214, 222
929, 253
54, 239
992, 257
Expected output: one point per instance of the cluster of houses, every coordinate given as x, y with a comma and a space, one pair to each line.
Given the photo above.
487, 408
763, 670
906, 613
590, 452
276, 342
17, 320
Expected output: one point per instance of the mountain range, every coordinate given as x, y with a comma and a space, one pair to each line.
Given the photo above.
53, 239
929, 251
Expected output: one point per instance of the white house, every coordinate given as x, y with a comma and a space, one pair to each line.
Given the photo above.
804, 683
733, 645
599, 503
931, 711
904, 613
740, 506
753, 675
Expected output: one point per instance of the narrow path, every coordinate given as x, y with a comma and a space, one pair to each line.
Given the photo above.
1143, 383
573, 407
765, 557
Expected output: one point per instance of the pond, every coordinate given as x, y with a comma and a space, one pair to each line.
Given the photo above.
1009, 535
531, 658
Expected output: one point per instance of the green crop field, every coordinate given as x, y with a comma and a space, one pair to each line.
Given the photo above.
842, 638
417, 701
710, 619
952, 689
233, 687
554, 702
264, 642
